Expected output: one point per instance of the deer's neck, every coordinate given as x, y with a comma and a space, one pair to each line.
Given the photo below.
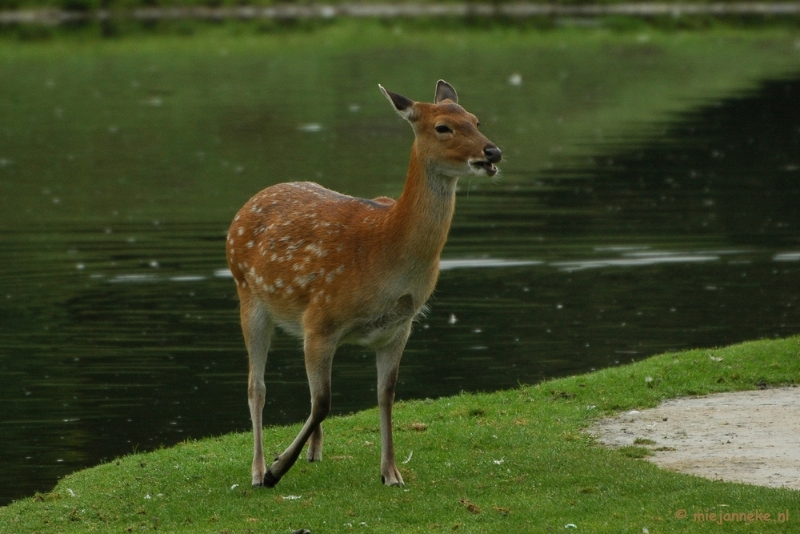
424, 211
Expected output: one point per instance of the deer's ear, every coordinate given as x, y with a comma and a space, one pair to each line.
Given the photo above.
445, 91
402, 105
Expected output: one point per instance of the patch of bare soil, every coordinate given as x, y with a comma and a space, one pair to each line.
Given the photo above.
749, 436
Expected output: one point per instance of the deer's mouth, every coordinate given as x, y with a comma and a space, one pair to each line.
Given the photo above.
486, 165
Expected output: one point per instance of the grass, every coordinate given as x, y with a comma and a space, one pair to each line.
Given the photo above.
512, 461
118, 16
96, 4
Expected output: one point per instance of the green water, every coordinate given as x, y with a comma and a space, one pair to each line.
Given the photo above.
646, 203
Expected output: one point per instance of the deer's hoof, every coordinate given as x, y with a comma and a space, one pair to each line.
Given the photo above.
270, 480
396, 481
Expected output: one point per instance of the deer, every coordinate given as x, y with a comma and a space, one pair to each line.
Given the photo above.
333, 269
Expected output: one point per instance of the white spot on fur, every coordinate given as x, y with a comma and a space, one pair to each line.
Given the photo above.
303, 281
291, 249
250, 244
317, 250
240, 231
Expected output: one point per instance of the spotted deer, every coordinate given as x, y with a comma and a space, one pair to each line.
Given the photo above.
334, 269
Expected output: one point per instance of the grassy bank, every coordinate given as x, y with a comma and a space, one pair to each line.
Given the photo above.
513, 461
128, 4
113, 18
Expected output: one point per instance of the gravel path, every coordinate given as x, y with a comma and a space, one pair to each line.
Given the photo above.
750, 436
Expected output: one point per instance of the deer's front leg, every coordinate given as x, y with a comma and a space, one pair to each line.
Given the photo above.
388, 361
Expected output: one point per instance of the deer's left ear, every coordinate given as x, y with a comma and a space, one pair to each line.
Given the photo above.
402, 105
445, 91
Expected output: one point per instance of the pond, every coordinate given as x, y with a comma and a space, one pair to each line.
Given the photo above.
647, 203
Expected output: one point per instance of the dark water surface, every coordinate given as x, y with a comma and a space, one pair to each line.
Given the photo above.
119, 326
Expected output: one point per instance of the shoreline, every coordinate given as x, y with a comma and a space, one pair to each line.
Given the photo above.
518, 10
511, 456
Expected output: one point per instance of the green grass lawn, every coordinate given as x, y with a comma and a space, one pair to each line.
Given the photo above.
512, 461
93, 4
119, 7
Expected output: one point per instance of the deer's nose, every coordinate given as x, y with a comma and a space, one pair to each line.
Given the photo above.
492, 153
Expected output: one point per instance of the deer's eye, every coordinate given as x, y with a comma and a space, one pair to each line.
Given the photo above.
443, 129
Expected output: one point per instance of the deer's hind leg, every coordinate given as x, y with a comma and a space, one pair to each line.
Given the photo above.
257, 327
315, 446
319, 351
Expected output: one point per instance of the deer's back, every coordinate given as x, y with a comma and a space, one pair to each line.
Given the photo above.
311, 255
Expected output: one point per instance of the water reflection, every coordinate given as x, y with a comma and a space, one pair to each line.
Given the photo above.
635, 259
125, 336
731, 169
